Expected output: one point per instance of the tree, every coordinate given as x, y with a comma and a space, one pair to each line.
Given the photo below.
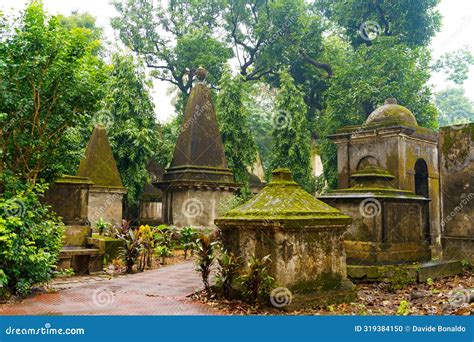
411, 22
454, 107
174, 38
130, 119
233, 118
455, 65
369, 75
291, 136
49, 81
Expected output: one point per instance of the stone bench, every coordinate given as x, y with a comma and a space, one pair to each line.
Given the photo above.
82, 260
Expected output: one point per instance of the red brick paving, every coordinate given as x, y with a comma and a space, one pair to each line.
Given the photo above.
162, 291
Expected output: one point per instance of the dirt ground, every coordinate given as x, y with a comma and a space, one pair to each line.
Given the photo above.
447, 296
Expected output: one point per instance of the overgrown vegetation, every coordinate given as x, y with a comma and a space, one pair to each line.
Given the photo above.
30, 237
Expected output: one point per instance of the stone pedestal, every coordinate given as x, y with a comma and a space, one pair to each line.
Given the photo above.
69, 198
302, 235
390, 226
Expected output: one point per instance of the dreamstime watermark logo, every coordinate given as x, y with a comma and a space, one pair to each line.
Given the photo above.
192, 208
103, 297
369, 30
459, 297
281, 297
103, 118
370, 208
197, 113
282, 119
15, 207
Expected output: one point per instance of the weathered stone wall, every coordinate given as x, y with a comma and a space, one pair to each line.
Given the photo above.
192, 207
456, 148
105, 203
298, 254
69, 198
392, 231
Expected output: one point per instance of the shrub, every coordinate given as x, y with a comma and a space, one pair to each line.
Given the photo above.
256, 283
188, 239
131, 248
163, 252
30, 237
204, 250
228, 272
147, 243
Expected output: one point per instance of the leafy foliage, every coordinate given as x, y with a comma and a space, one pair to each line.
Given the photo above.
454, 107
132, 130
30, 237
188, 239
205, 254
228, 272
412, 22
232, 114
455, 65
291, 137
255, 282
50, 80
146, 29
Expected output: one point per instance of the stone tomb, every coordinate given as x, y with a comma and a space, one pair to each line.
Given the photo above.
390, 226
392, 140
302, 235
107, 190
198, 179
69, 197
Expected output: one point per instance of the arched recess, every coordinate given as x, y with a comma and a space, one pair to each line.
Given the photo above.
421, 178
367, 161
422, 189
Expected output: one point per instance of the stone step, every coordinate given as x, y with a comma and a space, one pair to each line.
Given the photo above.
420, 272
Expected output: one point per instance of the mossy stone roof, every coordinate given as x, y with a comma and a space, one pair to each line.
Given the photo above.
283, 200
99, 164
392, 111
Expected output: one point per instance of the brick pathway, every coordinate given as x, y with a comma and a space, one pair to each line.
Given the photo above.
162, 291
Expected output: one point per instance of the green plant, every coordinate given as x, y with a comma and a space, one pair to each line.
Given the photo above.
430, 282
102, 226
67, 272
188, 239
147, 242
165, 236
30, 236
163, 252
131, 249
228, 272
204, 249
255, 282
403, 308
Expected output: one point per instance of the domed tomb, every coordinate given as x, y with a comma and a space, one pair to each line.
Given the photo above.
391, 111
302, 235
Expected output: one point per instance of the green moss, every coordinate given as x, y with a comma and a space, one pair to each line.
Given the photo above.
68, 179
99, 164
282, 199
326, 281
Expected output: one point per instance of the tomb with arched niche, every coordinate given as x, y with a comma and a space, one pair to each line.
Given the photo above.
389, 183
